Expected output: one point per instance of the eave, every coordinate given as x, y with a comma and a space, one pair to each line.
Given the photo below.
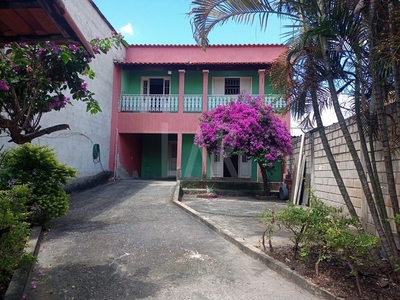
32, 21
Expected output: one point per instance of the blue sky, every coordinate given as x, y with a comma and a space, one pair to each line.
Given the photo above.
166, 22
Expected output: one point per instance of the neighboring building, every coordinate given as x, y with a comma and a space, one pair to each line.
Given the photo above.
159, 93
76, 147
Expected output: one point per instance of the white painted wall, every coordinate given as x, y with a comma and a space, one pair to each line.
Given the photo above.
74, 147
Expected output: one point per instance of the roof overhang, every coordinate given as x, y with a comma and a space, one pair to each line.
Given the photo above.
32, 21
194, 66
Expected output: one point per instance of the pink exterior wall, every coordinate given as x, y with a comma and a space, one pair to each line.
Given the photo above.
158, 122
218, 54
165, 122
125, 123
130, 153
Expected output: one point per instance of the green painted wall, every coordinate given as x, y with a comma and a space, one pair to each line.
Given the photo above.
191, 158
194, 82
155, 155
276, 175
267, 86
131, 80
151, 156
254, 169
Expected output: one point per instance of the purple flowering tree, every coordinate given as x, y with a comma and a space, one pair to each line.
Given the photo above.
35, 79
246, 126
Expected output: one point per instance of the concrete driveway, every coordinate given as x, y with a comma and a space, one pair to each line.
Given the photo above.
127, 240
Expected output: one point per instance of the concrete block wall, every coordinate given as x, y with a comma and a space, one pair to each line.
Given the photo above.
74, 147
320, 175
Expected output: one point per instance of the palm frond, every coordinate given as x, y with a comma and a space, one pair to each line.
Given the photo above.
206, 14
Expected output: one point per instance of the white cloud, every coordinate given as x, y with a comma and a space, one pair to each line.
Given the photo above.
127, 29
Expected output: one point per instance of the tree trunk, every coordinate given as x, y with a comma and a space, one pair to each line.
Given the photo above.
331, 159
394, 33
381, 227
378, 100
265, 180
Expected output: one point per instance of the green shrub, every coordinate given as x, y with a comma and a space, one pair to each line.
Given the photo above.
296, 220
14, 230
267, 217
38, 168
357, 249
326, 231
322, 219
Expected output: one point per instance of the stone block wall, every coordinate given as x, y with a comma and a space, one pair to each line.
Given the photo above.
319, 175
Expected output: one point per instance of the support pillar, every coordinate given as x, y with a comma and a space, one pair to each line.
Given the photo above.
205, 90
179, 156
261, 82
205, 108
181, 90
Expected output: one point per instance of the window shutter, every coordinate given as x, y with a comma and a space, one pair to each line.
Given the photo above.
245, 85
218, 85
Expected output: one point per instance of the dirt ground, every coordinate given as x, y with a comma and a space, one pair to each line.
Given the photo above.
336, 277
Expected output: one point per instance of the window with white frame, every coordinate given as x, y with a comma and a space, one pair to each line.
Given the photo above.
231, 85
156, 85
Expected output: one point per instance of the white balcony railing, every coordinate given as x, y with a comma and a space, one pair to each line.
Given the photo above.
277, 101
191, 103
148, 103
215, 100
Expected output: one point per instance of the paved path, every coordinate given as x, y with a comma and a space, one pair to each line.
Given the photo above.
239, 216
127, 240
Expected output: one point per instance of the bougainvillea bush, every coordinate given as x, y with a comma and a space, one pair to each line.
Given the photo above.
39, 78
246, 126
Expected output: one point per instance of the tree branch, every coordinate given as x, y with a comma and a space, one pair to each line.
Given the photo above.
19, 138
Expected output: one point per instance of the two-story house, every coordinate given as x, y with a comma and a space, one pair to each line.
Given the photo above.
159, 93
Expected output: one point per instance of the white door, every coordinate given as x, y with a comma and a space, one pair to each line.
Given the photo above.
244, 167
216, 165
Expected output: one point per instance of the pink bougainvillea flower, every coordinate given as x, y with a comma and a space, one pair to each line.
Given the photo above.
73, 48
3, 86
96, 49
245, 126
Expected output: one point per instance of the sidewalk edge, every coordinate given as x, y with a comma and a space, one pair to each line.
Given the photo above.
19, 280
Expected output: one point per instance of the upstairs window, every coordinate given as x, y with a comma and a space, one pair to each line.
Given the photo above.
232, 86
156, 86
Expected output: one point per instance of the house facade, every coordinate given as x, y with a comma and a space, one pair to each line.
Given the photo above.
159, 93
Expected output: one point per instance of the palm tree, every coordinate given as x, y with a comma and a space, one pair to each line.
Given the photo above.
336, 49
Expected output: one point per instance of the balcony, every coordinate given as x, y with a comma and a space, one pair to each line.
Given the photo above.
191, 103
148, 103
